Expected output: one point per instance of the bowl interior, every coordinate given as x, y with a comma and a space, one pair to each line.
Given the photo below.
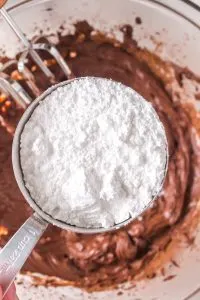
166, 31
163, 30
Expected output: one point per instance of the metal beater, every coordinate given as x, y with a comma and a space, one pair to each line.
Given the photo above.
13, 87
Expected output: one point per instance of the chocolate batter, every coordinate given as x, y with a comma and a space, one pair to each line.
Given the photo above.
103, 260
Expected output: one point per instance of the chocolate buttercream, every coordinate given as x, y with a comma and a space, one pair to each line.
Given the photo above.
138, 250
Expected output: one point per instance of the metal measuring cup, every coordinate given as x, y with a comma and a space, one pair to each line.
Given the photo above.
17, 250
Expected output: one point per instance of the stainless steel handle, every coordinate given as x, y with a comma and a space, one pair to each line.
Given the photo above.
17, 250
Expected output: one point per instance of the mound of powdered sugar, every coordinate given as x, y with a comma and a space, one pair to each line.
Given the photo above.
93, 152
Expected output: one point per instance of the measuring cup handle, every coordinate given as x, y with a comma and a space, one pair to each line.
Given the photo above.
17, 250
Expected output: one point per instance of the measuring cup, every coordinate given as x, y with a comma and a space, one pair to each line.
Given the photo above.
17, 250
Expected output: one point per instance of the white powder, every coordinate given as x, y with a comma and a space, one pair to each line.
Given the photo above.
93, 152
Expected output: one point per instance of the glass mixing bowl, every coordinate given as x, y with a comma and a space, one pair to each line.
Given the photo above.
169, 28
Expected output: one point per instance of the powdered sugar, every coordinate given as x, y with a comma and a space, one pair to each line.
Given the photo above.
93, 152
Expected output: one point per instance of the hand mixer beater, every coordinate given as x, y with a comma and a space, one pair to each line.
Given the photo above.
13, 87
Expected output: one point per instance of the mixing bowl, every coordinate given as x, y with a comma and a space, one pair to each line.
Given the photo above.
172, 30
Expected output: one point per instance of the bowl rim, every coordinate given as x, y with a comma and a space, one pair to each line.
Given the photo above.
174, 8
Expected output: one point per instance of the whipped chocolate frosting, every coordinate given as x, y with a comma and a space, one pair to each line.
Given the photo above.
103, 260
